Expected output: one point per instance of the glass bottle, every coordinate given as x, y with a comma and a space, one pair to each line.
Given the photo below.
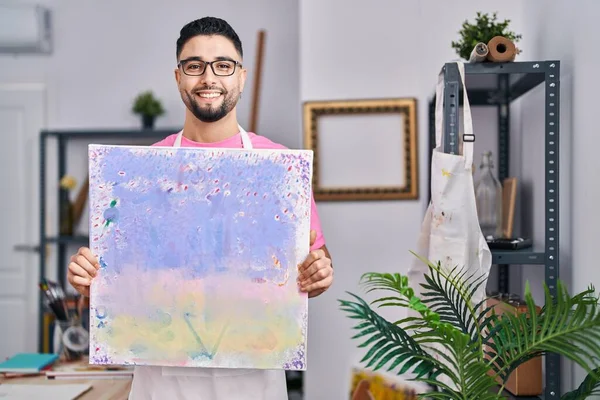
488, 197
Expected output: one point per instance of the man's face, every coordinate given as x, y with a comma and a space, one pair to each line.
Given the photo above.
210, 96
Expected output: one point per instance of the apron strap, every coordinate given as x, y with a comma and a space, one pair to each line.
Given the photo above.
246, 142
467, 121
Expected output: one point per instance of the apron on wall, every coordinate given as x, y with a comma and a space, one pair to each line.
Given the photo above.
450, 232
158, 383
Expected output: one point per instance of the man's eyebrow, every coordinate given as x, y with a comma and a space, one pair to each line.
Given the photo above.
198, 58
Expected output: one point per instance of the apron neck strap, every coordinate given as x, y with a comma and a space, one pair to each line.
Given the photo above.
246, 142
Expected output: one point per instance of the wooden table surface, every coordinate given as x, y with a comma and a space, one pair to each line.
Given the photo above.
102, 389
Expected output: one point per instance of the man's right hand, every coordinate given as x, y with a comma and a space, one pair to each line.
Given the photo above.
82, 269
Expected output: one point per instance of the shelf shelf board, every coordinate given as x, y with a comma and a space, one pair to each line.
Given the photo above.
63, 239
482, 80
523, 256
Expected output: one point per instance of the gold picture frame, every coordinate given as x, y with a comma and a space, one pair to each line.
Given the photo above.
362, 128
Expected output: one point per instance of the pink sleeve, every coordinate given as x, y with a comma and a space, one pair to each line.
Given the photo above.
315, 224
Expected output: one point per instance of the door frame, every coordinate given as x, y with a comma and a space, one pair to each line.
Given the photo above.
42, 89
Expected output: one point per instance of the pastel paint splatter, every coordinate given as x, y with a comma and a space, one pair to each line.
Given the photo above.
198, 251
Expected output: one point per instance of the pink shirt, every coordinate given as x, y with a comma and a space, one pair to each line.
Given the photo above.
258, 142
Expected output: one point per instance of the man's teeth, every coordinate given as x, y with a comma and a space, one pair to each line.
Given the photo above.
209, 95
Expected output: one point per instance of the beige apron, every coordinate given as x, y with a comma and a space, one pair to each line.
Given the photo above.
183, 383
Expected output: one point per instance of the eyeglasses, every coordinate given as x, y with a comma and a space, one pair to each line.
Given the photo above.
194, 67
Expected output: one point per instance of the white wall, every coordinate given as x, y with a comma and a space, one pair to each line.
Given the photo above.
408, 42
106, 52
561, 31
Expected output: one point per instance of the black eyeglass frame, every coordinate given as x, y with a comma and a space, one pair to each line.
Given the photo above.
181, 64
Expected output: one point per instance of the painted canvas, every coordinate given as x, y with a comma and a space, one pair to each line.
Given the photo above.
199, 252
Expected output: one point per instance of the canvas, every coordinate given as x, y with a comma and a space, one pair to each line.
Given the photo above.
199, 252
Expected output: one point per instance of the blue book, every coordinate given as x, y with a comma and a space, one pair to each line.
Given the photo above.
28, 362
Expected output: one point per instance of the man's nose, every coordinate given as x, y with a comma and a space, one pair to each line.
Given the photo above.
208, 75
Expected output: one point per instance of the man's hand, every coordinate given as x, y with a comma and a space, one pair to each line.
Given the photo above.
82, 269
315, 273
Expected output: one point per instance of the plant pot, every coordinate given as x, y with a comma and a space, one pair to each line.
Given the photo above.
148, 121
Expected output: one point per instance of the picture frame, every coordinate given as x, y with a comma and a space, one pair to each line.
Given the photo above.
363, 149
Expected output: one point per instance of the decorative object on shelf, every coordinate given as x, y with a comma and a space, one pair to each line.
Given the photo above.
347, 136
479, 53
67, 183
488, 197
449, 343
501, 49
71, 339
149, 108
483, 30
509, 195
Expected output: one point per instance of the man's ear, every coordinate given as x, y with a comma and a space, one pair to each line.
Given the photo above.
177, 75
243, 75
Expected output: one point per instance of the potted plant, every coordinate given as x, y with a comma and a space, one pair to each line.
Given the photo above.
148, 107
462, 350
482, 31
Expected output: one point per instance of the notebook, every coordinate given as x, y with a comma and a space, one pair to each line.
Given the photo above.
27, 362
54, 392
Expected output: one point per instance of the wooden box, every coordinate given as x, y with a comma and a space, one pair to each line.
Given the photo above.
526, 379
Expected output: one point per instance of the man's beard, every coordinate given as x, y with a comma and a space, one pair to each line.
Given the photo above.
211, 113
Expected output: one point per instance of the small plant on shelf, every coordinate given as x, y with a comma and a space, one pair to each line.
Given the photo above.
482, 30
466, 351
148, 107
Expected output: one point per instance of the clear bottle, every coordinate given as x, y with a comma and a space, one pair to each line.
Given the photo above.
488, 197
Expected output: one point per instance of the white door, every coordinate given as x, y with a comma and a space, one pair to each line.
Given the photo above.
22, 116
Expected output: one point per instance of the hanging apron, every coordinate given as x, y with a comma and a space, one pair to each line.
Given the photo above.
187, 383
450, 232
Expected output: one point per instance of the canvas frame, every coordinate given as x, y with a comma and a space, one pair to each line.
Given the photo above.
147, 204
406, 107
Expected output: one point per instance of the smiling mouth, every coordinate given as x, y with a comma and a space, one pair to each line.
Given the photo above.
208, 95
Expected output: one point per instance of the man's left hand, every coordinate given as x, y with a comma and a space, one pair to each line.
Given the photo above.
316, 272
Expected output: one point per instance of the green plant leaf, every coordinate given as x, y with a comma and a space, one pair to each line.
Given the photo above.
387, 342
568, 326
450, 294
461, 348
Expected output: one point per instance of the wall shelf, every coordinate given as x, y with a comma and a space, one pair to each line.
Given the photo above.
62, 137
498, 84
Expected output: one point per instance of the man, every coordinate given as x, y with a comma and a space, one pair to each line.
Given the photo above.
211, 77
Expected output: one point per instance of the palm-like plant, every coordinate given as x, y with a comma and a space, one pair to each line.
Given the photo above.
461, 349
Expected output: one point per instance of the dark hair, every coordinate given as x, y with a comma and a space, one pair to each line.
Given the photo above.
208, 26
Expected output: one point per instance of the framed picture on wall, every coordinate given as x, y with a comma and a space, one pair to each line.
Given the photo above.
363, 149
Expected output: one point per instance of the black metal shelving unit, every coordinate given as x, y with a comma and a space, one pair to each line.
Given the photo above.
512, 80
62, 137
